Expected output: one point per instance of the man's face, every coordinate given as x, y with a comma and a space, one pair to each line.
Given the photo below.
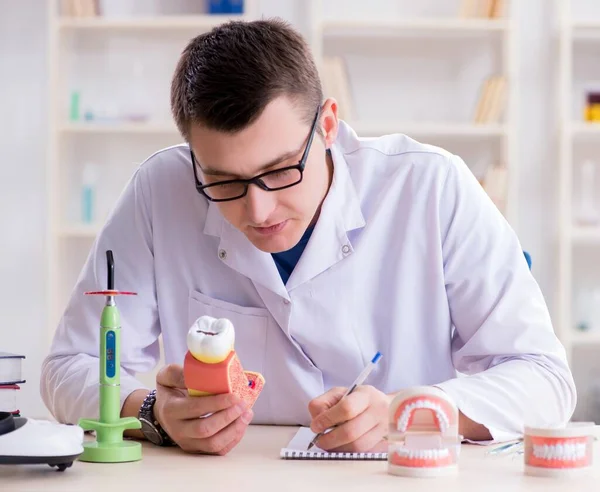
273, 221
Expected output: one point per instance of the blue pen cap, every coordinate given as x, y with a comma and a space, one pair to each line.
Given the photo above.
376, 357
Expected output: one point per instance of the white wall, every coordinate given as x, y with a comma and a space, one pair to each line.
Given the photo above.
22, 189
23, 87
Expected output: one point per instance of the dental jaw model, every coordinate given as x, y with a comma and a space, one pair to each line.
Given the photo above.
211, 365
423, 436
555, 452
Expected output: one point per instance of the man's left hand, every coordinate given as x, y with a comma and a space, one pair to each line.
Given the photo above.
361, 419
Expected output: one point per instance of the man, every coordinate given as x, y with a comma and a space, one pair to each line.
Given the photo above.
321, 248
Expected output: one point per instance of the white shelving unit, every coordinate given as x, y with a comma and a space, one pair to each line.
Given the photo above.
124, 144
436, 24
196, 23
420, 26
118, 128
578, 39
453, 130
118, 146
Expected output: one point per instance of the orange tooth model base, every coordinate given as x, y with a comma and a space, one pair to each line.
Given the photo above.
227, 376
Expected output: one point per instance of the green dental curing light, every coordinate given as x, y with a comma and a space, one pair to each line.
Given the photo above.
109, 446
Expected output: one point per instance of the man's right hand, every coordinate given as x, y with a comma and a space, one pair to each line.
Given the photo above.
180, 415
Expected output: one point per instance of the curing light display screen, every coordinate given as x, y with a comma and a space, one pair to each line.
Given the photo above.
110, 354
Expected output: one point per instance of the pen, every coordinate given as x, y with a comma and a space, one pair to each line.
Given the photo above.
359, 380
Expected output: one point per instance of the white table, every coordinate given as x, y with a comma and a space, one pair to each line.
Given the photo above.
254, 465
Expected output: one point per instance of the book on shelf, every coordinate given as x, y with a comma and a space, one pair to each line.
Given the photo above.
336, 84
495, 184
8, 398
11, 377
225, 7
11, 370
482, 9
80, 8
492, 99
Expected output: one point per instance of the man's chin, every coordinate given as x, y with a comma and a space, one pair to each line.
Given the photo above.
271, 244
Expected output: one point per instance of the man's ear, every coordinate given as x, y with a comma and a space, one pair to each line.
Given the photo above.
329, 121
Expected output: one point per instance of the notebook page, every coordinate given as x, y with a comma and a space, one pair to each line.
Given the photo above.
302, 439
297, 450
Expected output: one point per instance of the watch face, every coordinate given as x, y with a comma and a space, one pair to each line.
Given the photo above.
150, 432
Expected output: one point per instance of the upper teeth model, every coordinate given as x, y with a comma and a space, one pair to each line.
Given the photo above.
436, 409
210, 339
423, 433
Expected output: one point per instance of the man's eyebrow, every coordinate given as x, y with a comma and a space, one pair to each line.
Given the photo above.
283, 157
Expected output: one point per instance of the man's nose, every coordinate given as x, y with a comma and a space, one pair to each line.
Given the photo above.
259, 204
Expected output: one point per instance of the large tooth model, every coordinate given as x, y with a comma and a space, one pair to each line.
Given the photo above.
423, 438
211, 365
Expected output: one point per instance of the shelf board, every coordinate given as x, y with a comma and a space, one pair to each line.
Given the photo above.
585, 235
371, 128
79, 230
580, 338
585, 30
450, 130
424, 27
583, 129
165, 22
127, 128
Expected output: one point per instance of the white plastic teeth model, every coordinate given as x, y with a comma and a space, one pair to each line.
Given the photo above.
564, 452
422, 454
210, 339
441, 417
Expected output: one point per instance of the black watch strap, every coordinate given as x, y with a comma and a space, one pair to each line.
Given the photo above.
151, 429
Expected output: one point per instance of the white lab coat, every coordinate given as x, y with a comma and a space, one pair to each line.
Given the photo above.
409, 257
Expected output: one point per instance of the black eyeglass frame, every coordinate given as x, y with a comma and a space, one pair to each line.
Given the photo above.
257, 180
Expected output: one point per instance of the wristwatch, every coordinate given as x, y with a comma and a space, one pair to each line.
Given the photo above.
150, 426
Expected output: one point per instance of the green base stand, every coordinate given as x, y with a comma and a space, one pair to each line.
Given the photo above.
109, 446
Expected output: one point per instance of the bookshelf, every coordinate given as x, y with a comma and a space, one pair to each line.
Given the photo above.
578, 29
151, 34
96, 49
577, 315
169, 22
119, 128
414, 26
463, 51
455, 130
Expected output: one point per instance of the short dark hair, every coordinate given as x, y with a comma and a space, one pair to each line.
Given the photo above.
226, 77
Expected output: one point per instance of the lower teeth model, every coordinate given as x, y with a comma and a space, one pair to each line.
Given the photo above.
211, 365
423, 433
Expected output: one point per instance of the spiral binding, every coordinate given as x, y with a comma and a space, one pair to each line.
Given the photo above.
288, 454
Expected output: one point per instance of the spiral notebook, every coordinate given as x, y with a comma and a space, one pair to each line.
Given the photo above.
297, 450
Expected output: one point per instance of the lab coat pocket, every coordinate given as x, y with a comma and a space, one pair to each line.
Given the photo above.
250, 326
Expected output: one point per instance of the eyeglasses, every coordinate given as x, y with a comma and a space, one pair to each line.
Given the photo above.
278, 179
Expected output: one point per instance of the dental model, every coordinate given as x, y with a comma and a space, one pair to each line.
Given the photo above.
211, 365
423, 438
554, 452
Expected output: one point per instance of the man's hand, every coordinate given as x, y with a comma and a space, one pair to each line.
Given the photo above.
180, 415
361, 419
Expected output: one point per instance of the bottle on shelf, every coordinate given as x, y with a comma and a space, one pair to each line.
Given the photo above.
89, 182
136, 106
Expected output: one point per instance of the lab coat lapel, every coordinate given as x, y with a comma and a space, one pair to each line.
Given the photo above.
340, 214
237, 252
